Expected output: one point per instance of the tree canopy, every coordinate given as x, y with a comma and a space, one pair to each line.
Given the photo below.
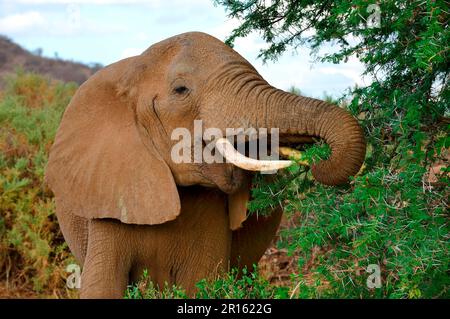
394, 213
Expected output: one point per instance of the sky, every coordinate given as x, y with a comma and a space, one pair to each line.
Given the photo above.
105, 31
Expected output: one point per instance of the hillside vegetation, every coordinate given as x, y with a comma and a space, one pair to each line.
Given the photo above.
33, 254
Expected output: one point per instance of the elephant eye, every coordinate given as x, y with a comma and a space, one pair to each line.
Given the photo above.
181, 90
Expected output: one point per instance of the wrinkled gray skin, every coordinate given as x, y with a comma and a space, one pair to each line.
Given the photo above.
123, 205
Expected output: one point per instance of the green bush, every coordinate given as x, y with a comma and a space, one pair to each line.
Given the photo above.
394, 213
33, 254
247, 285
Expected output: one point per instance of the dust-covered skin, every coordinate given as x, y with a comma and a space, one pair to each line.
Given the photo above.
122, 203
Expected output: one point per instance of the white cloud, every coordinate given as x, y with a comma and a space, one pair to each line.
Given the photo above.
352, 74
221, 31
87, 1
111, 35
250, 45
108, 2
21, 22
142, 36
129, 52
353, 69
66, 23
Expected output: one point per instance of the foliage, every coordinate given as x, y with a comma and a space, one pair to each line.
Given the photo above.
32, 250
394, 213
247, 285
146, 289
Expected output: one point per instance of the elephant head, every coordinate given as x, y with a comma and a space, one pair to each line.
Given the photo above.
111, 156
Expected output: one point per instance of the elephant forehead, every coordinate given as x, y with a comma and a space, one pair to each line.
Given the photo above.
199, 65
182, 66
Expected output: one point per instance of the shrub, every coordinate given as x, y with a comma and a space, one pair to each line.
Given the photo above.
394, 213
33, 254
247, 285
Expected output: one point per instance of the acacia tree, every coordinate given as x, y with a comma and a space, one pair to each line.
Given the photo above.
394, 212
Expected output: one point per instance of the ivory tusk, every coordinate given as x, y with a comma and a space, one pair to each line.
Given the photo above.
226, 149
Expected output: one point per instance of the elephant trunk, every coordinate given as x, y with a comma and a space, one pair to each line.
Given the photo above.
303, 116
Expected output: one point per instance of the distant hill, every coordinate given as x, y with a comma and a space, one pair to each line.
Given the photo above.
13, 56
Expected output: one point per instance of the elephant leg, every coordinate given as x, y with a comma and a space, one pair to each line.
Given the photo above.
107, 262
253, 238
75, 231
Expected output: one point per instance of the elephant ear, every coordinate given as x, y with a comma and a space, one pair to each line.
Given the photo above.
103, 163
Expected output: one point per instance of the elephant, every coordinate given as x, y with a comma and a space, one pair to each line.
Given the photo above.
124, 205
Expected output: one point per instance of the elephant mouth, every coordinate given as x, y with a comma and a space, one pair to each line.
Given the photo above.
287, 149
231, 175
227, 150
